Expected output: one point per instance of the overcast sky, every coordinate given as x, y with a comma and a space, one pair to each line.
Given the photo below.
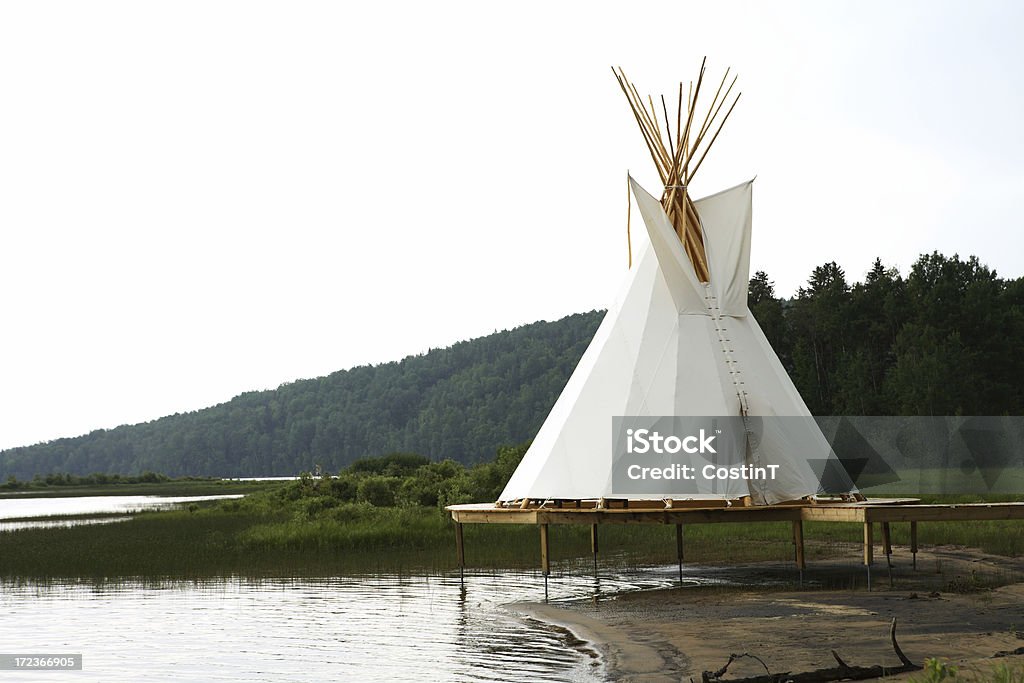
203, 198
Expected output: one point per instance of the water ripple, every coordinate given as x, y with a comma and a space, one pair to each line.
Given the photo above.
366, 628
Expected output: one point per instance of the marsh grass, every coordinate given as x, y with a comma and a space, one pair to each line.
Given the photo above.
261, 536
1003, 482
275, 533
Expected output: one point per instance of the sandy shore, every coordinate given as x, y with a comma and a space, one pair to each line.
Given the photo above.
959, 605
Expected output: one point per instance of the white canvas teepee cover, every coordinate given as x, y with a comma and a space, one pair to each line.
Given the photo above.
672, 346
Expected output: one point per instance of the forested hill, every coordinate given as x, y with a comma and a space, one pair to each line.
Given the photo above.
945, 339
460, 402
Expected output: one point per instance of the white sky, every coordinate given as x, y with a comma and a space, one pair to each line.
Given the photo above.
203, 198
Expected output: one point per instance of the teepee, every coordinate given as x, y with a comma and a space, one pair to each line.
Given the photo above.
680, 341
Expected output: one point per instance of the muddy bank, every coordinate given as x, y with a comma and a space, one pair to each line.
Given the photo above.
959, 605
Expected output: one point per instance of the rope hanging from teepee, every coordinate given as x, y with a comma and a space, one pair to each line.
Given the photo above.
629, 210
673, 160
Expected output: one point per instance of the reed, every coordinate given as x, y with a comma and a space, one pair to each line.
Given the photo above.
269, 535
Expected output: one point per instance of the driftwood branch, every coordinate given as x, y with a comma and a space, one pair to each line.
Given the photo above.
842, 672
732, 658
896, 647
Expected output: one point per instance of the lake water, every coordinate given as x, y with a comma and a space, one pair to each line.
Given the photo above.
40, 508
359, 628
372, 627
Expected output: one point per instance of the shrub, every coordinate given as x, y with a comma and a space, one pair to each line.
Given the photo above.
391, 465
344, 487
310, 508
378, 491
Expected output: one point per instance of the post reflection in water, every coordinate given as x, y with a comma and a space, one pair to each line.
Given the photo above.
423, 627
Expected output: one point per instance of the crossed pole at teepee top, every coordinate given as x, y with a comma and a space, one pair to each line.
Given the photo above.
675, 167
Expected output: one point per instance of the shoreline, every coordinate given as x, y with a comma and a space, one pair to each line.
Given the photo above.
960, 605
621, 655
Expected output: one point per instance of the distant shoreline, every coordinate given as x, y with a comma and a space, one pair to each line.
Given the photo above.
172, 487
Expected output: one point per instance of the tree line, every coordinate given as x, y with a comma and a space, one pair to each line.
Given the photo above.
942, 340
460, 402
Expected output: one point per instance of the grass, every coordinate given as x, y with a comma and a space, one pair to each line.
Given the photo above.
995, 537
270, 534
1002, 481
936, 670
261, 536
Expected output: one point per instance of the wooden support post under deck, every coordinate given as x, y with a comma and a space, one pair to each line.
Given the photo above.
869, 550
545, 562
798, 540
460, 550
887, 544
913, 542
593, 546
679, 550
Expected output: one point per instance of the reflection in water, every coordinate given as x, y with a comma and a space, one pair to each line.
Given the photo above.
52, 523
365, 628
16, 508
376, 628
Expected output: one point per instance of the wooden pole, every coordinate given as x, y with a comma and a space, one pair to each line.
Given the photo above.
713, 138
868, 549
679, 550
674, 161
460, 552
798, 540
913, 542
887, 543
593, 546
545, 563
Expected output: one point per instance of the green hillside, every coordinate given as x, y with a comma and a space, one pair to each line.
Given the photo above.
944, 340
460, 402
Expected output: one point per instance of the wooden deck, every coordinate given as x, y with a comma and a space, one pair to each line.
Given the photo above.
882, 511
